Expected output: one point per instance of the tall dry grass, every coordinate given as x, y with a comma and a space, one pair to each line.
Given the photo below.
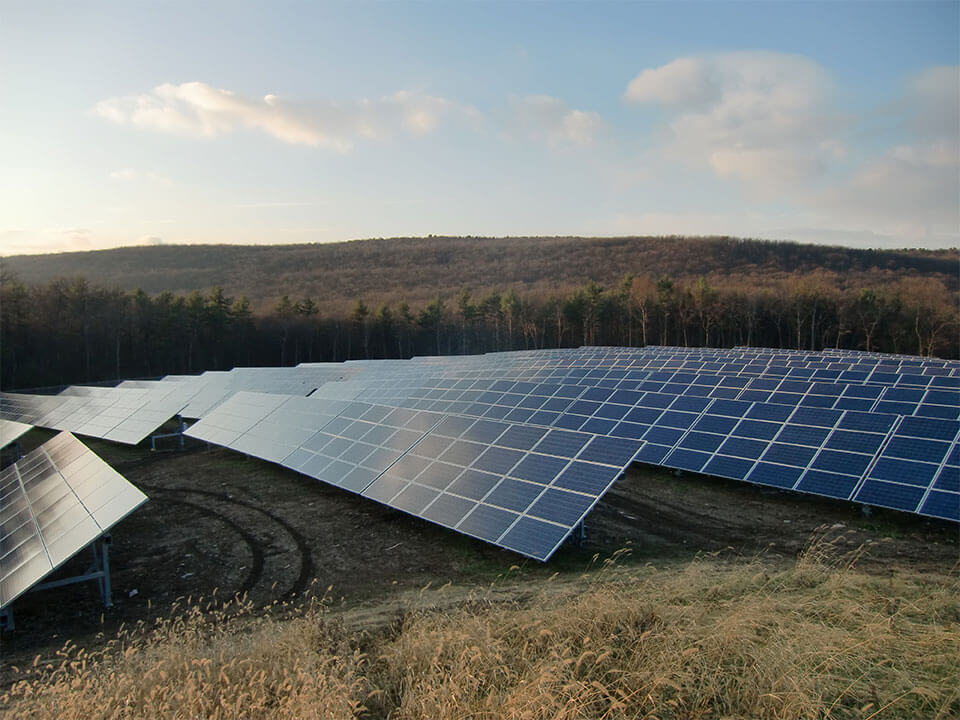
712, 639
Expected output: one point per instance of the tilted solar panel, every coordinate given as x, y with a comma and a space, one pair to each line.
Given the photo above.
54, 502
519, 487
11, 431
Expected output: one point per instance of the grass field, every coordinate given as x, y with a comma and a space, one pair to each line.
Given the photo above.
712, 638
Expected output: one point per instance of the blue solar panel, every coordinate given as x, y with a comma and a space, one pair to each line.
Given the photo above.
730, 467
912, 448
944, 505
743, 447
928, 428
707, 442
890, 494
675, 406
803, 435
839, 461
651, 453
948, 479
687, 460
757, 429
774, 475
530, 536
487, 522
561, 506
903, 471
827, 483
789, 454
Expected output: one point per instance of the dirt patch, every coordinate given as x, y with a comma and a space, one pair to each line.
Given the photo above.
218, 524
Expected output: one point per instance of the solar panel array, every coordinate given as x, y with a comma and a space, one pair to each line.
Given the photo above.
520, 487
54, 502
134, 409
440, 437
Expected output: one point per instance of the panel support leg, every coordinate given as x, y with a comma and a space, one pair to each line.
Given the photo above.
104, 579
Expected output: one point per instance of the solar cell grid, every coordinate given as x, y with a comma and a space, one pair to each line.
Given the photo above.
55, 501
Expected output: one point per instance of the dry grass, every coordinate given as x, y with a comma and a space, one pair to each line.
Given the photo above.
713, 639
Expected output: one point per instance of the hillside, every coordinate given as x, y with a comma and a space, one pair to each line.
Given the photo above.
417, 269
728, 600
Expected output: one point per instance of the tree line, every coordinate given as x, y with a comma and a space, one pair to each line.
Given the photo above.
71, 331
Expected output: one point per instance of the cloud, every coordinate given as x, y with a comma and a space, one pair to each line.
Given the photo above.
932, 102
547, 119
195, 109
150, 240
758, 117
686, 82
911, 190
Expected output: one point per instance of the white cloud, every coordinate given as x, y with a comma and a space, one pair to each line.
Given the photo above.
933, 102
758, 117
548, 119
150, 240
686, 82
912, 190
196, 109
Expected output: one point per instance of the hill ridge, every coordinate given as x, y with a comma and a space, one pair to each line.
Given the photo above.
418, 268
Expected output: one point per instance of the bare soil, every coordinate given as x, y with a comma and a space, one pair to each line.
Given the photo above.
219, 524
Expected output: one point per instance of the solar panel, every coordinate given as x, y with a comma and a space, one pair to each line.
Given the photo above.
55, 501
10, 431
519, 487
125, 415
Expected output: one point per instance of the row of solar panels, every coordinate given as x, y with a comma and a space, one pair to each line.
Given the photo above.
850, 426
133, 410
873, 455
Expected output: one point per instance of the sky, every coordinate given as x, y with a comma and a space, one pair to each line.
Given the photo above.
145, 123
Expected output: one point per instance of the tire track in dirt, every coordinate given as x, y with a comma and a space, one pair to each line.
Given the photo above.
256, 551
222, 501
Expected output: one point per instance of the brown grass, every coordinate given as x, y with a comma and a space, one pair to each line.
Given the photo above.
711, 639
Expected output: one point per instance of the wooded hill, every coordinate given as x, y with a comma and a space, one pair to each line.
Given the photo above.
399, 298
416, 270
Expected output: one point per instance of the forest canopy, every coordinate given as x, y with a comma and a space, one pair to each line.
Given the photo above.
74, 329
